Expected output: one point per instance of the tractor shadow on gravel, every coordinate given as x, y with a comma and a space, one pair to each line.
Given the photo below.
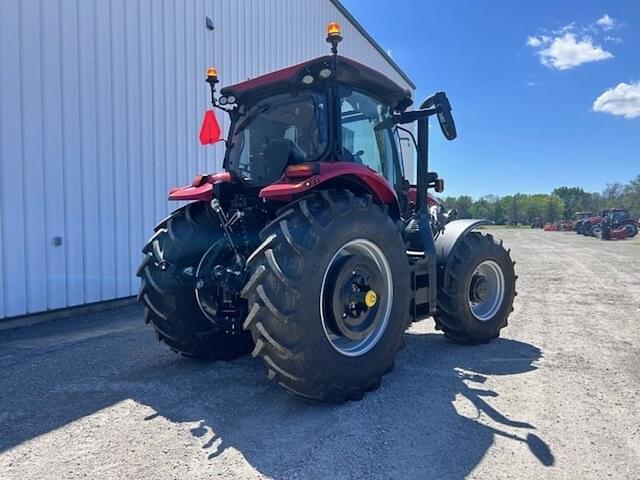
409, 428
435, 416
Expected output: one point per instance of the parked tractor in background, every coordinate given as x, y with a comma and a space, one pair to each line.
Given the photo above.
616, 218
311, 250
617, 225
580, 218
590, 226
538, 222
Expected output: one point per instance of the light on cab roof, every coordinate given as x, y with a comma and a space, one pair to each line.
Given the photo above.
334, 34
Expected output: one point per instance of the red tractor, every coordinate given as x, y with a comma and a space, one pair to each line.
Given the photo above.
616, 219
580, 219
311, 250
617, 225
590, 226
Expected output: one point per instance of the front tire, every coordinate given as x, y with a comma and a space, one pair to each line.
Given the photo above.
475, 304
326, 253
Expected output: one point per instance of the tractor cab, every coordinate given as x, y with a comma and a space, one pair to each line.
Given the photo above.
617, 215
324, 110
330, 121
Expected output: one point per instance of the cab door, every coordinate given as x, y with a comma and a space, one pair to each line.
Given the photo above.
367, 135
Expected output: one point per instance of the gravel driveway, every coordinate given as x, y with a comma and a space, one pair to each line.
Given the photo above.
557, 397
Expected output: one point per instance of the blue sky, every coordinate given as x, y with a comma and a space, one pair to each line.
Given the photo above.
522, 78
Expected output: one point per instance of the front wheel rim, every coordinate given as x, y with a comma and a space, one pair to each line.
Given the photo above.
357, 276
486, 290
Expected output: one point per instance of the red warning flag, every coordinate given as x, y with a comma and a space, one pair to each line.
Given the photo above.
210, 130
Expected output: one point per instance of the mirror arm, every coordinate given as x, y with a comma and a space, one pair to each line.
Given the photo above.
413, 115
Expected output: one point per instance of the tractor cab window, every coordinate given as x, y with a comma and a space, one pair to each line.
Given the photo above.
366, 137
276, 132
619, 215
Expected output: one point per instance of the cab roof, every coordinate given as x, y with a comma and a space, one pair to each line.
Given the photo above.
350, 72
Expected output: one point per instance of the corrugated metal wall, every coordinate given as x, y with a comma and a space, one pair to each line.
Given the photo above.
100, 104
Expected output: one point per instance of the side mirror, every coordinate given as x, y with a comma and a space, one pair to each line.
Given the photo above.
441, 103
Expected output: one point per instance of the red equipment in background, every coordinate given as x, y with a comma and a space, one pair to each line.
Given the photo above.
562, 226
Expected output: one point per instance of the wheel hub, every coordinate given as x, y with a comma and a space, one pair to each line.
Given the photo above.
486, 290
356, 297
352, 282
479, 288
370, 298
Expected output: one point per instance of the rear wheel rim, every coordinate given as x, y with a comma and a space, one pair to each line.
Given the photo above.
486, 290
356, 297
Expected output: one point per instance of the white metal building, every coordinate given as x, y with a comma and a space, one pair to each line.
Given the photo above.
100, 106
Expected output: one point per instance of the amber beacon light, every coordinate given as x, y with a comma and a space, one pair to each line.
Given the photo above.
334, 34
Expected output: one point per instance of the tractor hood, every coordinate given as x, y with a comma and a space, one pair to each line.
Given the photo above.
350, 72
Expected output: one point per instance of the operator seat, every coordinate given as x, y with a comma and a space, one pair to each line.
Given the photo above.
276, 158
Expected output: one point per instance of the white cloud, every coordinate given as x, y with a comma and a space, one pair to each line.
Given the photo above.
623, 100
567, 28
573, 44
534, 42
606, 22
567, 51
609, 38
538, 41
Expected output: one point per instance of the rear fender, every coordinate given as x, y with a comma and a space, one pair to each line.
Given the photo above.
328, 174
201, 188
447, 242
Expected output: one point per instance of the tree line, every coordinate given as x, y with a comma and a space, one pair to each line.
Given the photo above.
561, 204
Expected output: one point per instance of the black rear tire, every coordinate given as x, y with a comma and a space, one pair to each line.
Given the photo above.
170, 306
285, 289
454, 315
632, 230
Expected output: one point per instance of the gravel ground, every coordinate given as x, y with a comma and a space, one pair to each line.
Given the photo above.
556, 397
